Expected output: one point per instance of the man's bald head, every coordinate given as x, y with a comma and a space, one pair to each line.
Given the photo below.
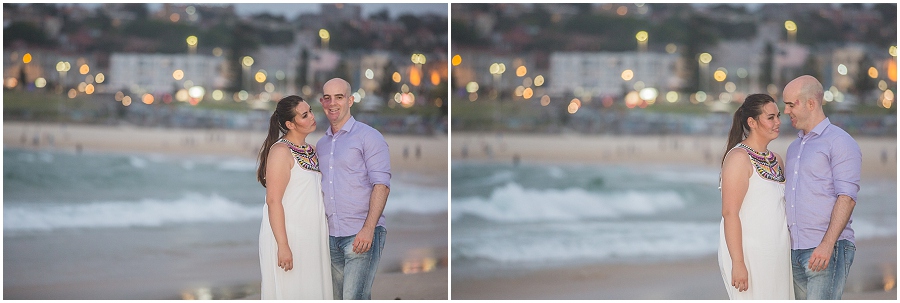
804, 88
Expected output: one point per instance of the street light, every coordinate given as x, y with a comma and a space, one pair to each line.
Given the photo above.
62, 68
323, 33
704, 60
642, 38
497, 70
246, 63
192, 44
791, 28
415, 77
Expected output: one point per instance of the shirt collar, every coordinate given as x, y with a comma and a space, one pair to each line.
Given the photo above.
818, 129
346, 128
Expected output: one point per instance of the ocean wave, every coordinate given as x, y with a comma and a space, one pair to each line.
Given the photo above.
865, 229
513, 203
238, 165
597, 241
137, 162
407, 198
147, 212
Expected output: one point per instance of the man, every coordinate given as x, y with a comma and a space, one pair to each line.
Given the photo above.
822, 181
356, 174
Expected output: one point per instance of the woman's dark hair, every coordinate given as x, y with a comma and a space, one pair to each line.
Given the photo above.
751, 108
284, 112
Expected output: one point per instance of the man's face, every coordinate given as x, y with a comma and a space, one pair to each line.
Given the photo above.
798, 109
336, 101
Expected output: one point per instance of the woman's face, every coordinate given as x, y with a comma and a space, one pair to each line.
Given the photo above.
769, 122
304, 120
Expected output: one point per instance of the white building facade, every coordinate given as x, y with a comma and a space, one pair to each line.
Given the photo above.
154, 73
601, 73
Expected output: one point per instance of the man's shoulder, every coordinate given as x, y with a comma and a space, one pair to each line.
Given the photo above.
838, 135
365, 129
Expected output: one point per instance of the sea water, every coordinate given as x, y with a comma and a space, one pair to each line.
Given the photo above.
45, 191
180, 222
513, 217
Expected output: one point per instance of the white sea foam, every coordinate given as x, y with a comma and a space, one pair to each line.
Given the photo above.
865, 229
137, 162
238, 165
699, 176
147, 212
513, 203
407, 198
596, 241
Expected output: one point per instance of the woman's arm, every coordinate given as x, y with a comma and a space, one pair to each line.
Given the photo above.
278, 173
735, 180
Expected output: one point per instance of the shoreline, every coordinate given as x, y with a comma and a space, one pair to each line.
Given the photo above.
879, 153
431, 160
874, 270
199, 261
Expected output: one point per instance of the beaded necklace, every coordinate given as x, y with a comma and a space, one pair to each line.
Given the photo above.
766, 164
305, 155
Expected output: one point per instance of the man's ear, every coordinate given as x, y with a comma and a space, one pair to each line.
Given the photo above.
810, 103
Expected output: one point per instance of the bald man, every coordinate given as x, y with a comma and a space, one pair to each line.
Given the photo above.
356, 180
822, 181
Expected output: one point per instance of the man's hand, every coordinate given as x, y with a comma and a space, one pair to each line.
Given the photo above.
820, 257
363, 241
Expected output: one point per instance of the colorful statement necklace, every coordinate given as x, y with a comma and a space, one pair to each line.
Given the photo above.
765, 163
305, 155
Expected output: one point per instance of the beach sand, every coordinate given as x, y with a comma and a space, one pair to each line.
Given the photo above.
432, 159
211, 261
873, 271
879, 153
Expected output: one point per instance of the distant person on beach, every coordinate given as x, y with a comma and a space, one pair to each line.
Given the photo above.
293, 237
823, 173
754, 242
356, 176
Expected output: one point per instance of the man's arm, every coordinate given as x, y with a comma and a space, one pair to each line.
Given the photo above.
840, 215
846, 164
378, 166
377, 201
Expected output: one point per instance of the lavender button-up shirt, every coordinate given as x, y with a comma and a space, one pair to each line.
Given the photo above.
820, 165
352, 161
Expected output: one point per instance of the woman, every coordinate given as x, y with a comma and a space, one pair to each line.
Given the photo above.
754, 243
293, 240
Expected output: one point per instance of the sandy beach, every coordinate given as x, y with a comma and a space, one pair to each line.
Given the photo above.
218, 260
874, 269
431, 160
879, 153
872, 276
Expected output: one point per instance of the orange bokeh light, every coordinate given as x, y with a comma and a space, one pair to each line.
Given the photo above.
415, 76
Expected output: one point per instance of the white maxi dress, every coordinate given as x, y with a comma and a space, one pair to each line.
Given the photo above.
307, 233
766, 243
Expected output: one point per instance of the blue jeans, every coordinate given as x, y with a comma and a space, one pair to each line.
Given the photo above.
352, 274
823, 285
